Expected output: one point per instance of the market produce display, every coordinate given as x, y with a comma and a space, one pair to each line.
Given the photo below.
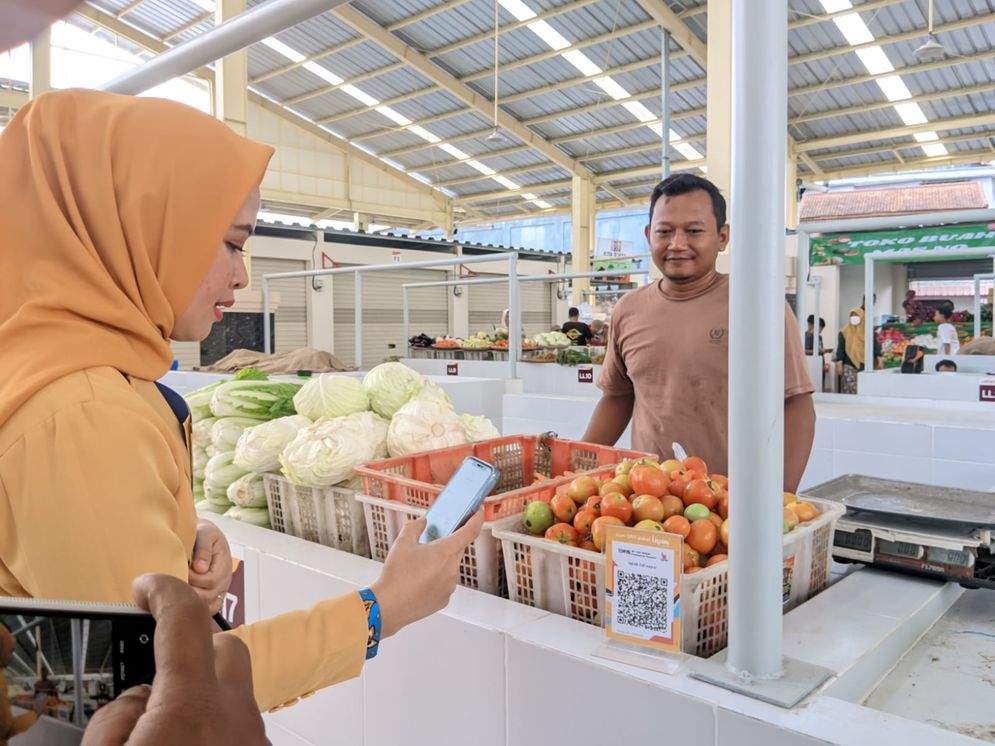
573, 357
314, 433
676, 497
552, 339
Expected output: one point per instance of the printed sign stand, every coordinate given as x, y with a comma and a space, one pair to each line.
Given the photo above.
986, 390
643, 599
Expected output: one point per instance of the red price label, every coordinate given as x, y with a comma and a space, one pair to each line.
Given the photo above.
585, 375
986, 392
452, 369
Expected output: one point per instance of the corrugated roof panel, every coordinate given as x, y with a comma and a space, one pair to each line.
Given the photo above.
386, 13
316, 34
192, 33
296, 82
163, 17
113, 6
264, 59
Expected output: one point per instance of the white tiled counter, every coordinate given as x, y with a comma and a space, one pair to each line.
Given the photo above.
490, 672
944, 443
536, 378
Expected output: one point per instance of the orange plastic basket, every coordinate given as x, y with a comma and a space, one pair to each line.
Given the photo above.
418, 479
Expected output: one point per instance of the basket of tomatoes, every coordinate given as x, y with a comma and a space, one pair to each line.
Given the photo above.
552, 552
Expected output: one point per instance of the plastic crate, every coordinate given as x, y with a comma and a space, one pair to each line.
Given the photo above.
480, 568
329, 515
571, 581
418, 479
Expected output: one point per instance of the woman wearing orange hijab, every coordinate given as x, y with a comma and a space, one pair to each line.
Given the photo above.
123, 222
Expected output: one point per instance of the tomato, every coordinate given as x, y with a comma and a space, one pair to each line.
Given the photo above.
598, 529
649, 526
581, 489
721, 480
672, 505
625, 467
694, 474
691, 558
702, 536
720, 547
670, 466
608, 487
594, 504
647, 508
724, 507
804, 510
790, 520
677, 524
624, 483
678, 483
693, 570
583, 521
693, 463
615, 504
716, 519
647, 480
564, 508
724, 532
588, 544
698, 491
563, 533
695, 512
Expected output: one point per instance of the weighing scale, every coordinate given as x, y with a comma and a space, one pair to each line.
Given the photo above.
936, 532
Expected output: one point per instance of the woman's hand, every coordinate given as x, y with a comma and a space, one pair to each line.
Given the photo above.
839, 369
211, 568
418, 579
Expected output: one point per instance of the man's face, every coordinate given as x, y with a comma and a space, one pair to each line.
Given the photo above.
683, 236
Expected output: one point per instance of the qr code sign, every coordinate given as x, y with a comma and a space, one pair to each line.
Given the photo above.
641, 602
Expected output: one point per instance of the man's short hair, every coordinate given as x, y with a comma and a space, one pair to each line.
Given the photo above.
946, 365
678, 184
573, 312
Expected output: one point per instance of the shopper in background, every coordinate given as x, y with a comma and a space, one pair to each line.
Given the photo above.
946, 333
849, 354
118, 238
10, 724
578, 332
810, 341
946, 366
599, 333
667, 365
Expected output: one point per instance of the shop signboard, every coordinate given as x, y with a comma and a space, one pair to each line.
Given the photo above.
452, 369
850, 248
986, 390
642, 588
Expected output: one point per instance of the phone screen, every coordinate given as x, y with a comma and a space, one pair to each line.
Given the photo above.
460, 499
53, 648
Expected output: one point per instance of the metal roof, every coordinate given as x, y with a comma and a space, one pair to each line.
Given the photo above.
562, 114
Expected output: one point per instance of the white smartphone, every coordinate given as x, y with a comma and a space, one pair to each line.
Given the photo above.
108, 646
460, 498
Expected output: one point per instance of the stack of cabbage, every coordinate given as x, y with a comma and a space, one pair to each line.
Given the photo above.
316, 434
221, 414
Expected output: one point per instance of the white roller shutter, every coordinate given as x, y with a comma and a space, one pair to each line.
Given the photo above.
188, 353
382, 312
291, 325
487, 303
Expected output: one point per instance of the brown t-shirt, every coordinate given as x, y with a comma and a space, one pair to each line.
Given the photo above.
672, 352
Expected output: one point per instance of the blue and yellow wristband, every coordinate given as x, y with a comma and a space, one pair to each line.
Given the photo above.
373, 622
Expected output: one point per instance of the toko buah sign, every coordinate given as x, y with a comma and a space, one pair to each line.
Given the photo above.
850, 248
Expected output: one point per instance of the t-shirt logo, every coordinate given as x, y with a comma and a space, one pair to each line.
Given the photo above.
716, 335
574, 334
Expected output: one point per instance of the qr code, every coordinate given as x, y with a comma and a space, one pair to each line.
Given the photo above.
641, 601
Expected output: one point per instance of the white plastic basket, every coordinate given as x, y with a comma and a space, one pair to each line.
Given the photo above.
571, 581
329, 515
480, 568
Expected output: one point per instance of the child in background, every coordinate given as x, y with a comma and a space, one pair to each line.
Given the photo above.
946, 366
949, 344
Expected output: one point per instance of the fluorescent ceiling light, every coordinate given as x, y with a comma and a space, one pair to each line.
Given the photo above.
657, 128
506, 182
486, 170
582, 62
278, 46
530, 196
894, 88
835, 6
674, 136
640, 112
875, 60
542, 204
610, 86
549, 35
911, 113
687, 151
357, 94
394, 116
207, 5
854, 29
935, 149
322, 72
703, 169
926, 136
424, 134
454, 151
517, 8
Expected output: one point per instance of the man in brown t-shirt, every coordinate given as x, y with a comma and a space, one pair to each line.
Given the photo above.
667, 367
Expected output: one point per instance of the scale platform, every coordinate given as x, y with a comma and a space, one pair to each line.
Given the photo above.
937, 532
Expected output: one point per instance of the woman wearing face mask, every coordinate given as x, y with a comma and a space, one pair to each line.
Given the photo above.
124, 221
849, 354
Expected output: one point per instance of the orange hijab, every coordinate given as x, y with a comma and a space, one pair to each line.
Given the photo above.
111, 211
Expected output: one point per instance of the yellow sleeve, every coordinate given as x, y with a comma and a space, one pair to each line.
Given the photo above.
93, 496
295, 654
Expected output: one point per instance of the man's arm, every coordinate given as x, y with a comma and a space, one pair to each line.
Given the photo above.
610, 419
799, 432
